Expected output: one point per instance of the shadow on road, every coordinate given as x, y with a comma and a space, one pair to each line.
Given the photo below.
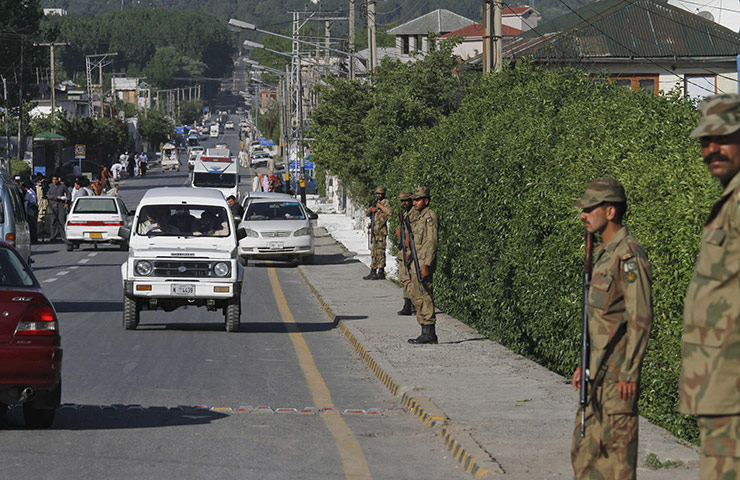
87, 307
246, 327
116, 417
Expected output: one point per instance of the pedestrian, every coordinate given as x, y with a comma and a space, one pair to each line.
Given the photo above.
43, 221
237, 211
31, 206
380, 211
78, 191
265, 183
116, 170
270, 165
620, 313
131, 165
424, 230
405, 268
143, 164
97, 187
113, 192
257, 183
57, 198
105, 177
708, 386
277, 185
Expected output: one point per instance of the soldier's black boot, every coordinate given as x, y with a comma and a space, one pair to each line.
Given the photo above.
380, 274
371, 275
407, 307
428, 335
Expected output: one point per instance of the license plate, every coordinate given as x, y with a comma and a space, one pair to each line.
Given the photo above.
183, 289
96, 235
275, 245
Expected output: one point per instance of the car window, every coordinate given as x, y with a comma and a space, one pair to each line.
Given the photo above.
95, 205
214, 180
12, 271
275, 211
2, 210
15, 199
183, 220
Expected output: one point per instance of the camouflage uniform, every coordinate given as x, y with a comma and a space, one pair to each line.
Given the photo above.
709, 381
424, 228
405, 271
380, 231
620, 314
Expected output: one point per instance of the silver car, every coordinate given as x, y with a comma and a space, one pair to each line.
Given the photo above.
97, 220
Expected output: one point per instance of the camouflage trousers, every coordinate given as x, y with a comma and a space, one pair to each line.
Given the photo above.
404, 278
720, 447
608, 450
377, 253
423, 299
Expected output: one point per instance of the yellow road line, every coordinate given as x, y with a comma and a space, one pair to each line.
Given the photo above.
353, 460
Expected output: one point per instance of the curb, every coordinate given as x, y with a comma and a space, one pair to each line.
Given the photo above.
465, 449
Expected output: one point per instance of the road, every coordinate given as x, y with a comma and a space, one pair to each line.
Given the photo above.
165, 401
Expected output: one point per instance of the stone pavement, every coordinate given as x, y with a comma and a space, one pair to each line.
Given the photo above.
500, 414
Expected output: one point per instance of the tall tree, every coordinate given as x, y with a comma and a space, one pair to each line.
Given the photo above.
19, 26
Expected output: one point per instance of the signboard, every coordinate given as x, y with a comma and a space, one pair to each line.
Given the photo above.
206, 109
294, 165
39, 170
80, 151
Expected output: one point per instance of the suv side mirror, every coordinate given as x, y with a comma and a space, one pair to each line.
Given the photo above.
240, 233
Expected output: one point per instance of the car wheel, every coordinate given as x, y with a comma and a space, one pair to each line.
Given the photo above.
3, 408
233, 316
38, 417
308, 260
70, 246
131, 311
244, 261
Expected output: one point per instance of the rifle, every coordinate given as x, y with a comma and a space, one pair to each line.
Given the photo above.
585, 344
371, 227
403, 240
414, 257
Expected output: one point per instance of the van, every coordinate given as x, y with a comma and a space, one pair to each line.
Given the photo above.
217, 169
214, 130
13, 221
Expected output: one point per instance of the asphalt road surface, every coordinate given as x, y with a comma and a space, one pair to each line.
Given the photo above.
180, 398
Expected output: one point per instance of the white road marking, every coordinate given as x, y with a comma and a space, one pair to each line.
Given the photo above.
84, 260
74, 267
49, 280
92, 254
62, 273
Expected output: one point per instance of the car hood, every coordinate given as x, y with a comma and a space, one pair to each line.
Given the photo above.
185, 250
275, 225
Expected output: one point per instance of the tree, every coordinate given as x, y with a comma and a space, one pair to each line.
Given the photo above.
155, 127
163, 66
190, 111
19, 24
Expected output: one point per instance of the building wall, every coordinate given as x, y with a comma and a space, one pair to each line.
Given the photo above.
469, 48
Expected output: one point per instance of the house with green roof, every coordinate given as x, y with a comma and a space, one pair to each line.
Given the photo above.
644, 44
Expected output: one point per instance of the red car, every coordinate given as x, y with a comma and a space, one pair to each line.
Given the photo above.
30, 345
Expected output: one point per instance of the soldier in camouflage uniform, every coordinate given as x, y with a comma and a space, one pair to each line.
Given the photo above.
381, 212
710, 374
620, 313
404, 270
424, 229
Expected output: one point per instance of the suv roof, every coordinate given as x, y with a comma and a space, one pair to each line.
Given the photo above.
183, 195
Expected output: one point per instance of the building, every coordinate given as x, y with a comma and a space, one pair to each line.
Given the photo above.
521, 18
472, 39
412, 37
55, 11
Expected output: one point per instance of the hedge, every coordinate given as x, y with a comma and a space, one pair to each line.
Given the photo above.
504, 170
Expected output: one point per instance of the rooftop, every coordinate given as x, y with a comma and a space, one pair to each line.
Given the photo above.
476, 30
437, 21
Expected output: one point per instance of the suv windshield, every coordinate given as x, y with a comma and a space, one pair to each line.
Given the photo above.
275, 211
217, 180
183, 221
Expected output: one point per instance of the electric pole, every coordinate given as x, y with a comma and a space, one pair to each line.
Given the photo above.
498, 36
371, 43
352, 39
51, 46
492, 36
7, 122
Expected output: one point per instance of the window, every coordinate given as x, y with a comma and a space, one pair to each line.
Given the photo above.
96, 205
648, 83
275, 211
405, 46
183, 221
700, 86
12, 271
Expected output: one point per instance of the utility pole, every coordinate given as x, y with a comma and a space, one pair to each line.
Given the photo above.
498, 36
352, 39
20, 109
7, 126
371, 43
492, 36
300, 139
89, 67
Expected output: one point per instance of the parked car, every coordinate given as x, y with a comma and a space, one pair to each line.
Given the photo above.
96, 220
312, 187
30, 346
259, 159
276, 226
14, 227
193, 153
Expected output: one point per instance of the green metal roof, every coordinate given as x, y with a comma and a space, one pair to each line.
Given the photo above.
626, 29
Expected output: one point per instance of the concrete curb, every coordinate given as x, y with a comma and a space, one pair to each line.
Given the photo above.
465, 449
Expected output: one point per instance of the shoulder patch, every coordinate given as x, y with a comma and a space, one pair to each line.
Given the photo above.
430, 222
630, 271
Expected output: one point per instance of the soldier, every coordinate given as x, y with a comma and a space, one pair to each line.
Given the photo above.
424, 229
380, 211
708, 385
620, 313
404, 272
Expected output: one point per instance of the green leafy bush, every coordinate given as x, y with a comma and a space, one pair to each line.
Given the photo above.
504, 170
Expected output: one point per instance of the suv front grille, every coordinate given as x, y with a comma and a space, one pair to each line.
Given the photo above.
164, 268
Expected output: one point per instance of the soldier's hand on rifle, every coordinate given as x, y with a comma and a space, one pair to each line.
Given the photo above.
407, 242
626, 390
398, 232
425, 271
576, 382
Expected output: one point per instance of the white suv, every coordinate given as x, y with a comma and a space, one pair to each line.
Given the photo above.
182, 251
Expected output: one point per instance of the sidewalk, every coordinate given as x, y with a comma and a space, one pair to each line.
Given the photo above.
499, 414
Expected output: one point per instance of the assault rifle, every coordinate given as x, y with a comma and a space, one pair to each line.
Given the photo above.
585, 344
412, 247
403, 241
371, 227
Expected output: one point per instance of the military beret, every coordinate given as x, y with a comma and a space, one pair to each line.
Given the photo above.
380, 190
405, 195
719, 115
420, 192
602, 190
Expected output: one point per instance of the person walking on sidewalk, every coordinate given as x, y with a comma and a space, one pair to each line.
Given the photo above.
424, 230
404, 272
708, 386
380, 211
620, 313
57, 196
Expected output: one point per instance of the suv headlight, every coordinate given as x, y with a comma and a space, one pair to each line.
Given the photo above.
303, 231
221, 269
143, 268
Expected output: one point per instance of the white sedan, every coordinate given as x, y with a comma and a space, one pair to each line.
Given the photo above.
276, 226
96, 220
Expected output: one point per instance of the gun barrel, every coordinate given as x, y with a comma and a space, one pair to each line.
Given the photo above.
585, 343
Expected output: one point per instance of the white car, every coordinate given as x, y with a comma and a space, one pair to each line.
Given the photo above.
259, 159
96, 220
193, 153
229, 125
276, 226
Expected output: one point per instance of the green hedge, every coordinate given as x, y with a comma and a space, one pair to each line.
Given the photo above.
504, 171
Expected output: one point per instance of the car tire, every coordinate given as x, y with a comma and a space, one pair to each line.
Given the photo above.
70, 246
38, 417
131, 312
3, 408
233, 315
244, 261
308, 260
